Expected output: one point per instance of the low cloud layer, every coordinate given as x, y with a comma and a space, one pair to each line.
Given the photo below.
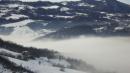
110, 53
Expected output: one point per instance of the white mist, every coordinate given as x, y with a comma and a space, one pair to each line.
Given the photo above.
110, 53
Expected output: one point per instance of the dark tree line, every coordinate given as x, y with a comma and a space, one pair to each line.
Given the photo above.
31, 52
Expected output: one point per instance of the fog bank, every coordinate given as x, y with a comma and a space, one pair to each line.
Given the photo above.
110, 53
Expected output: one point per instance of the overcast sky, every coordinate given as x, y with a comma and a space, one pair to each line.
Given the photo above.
125, 1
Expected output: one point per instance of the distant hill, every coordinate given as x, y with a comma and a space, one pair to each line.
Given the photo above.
51, 19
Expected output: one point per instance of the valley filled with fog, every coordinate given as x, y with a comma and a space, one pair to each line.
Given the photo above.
105, 53
64, 36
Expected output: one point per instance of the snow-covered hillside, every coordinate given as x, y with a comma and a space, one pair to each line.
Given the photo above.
43, 64
21, 29
61, 20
